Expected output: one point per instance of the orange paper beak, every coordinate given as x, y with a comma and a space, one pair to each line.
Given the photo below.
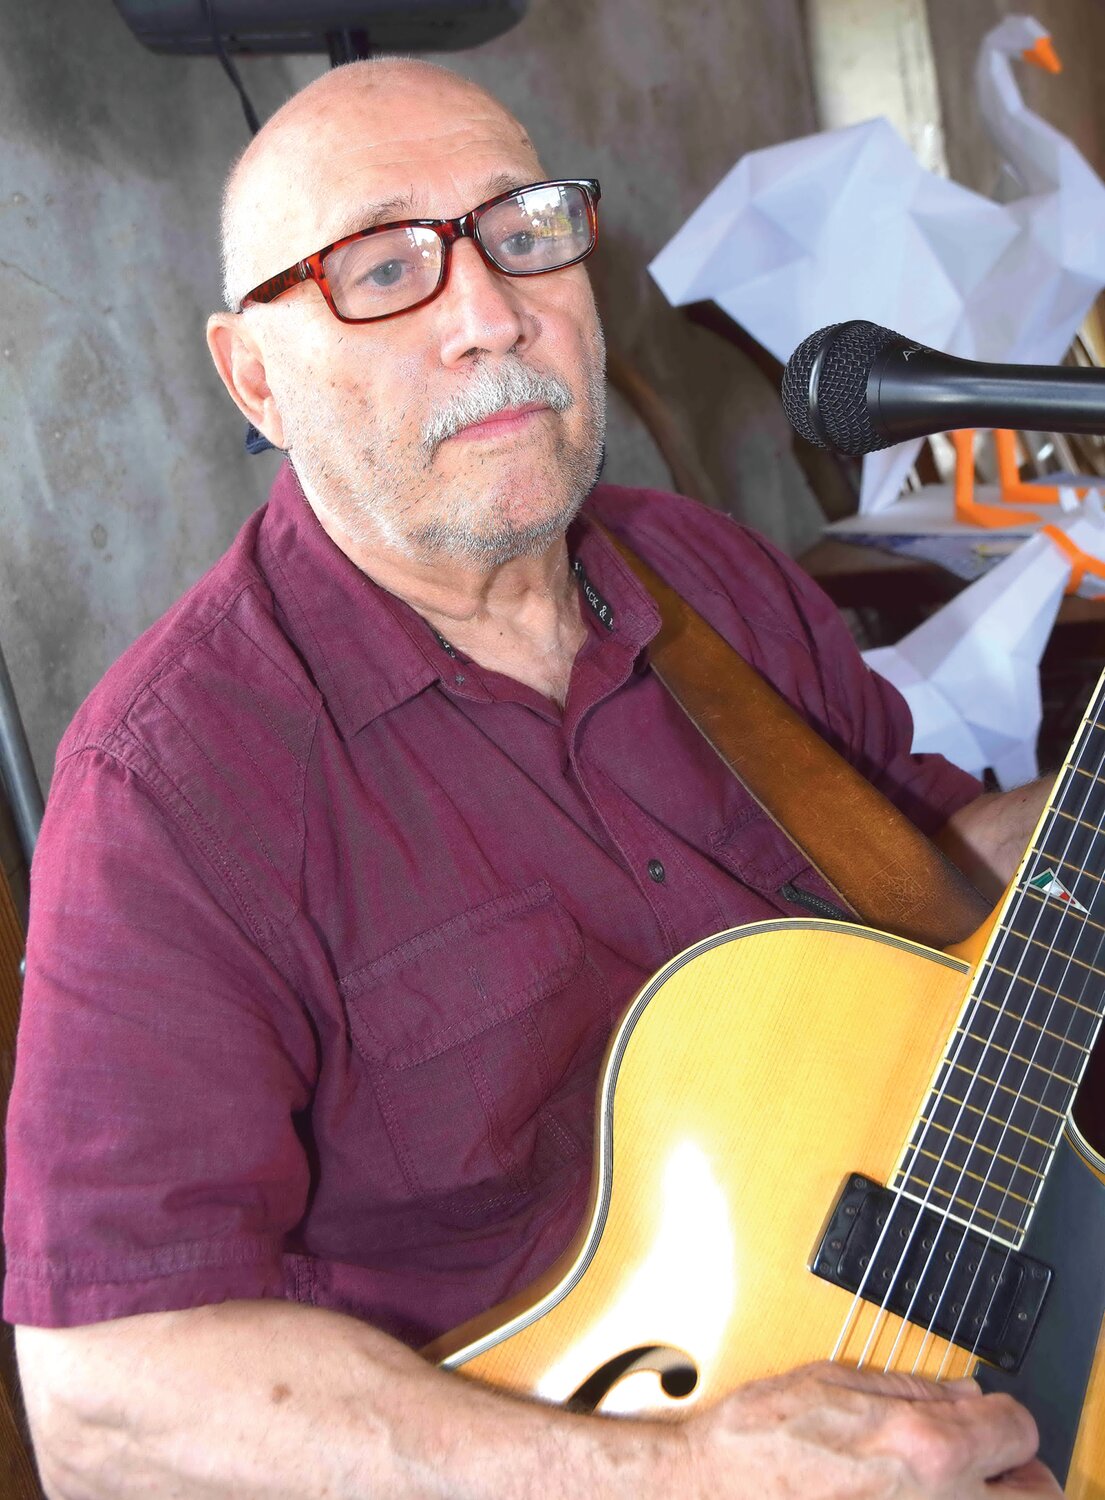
1044, 55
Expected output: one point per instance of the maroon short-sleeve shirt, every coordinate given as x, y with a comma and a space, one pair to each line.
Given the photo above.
330, 926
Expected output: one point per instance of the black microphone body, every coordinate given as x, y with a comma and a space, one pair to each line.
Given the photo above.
856, 387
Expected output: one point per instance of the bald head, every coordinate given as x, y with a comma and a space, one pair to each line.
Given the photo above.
393, 422
305, 178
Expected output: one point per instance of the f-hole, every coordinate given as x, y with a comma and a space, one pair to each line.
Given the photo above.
676, 1371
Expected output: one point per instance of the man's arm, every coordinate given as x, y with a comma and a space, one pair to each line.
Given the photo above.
274, 1400
987, 838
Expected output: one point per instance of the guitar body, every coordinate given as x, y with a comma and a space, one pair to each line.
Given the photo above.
748, 1080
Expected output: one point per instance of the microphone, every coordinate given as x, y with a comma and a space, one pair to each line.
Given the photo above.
856, 388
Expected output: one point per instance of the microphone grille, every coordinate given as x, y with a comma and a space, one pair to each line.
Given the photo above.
848, 352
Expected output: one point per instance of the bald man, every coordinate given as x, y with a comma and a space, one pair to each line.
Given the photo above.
352, 862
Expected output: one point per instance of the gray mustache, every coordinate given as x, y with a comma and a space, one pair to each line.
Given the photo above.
493, 390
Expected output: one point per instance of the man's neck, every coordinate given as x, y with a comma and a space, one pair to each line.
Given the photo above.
520, 617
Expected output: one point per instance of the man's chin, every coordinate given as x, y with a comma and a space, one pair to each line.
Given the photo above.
487, 548
495, 532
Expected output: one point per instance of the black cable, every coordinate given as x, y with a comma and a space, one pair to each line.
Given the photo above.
348, 46
229, 69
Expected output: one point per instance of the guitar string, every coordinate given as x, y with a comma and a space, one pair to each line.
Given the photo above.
909, 1235
1048, 827
961, 1308
952, 1060
864, 1280
1060, 985
1058, 996
965, 1035
1018, 1094
1009, 1249
859, 1298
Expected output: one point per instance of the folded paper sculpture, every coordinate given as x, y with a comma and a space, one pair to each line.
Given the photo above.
971, 672
847, 224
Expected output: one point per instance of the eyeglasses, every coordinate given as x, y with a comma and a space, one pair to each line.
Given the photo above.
394, 268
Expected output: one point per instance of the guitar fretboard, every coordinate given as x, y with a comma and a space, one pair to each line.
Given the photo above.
1009, 1075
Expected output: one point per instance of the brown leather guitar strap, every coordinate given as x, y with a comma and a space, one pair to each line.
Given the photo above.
871, 855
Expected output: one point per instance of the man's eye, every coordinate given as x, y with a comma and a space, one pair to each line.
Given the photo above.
519, 244
388, 273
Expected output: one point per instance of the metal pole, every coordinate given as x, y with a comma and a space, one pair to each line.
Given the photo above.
17, 768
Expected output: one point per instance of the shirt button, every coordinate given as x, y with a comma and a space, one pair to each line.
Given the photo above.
655, 870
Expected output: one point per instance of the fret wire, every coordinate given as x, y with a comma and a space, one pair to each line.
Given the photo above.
1016, 1056
1079, 771
1082, 833
1056, 952
1076, 755
1043, 989
1061, 788
931, 1123
1066, 911
1075, 847
1075, 843
1080, 848
1090, 718
974, 1208
986, 1114
991, 1234
1005, 1124
1083, 849
1089, 723
1057, 812
965, 1171
1017, 1094
1083, 872
1007, 1015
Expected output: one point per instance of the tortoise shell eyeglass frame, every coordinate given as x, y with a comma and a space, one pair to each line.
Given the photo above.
448, 231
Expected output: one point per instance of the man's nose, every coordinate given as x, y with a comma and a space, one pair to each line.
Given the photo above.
480, 309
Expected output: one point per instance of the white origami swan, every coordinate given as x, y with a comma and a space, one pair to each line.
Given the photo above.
846, 224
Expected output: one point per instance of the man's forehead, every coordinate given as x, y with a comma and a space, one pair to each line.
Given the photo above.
437, 175
385, 155
419, 201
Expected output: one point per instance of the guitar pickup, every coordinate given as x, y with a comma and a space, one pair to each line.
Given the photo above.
933, 1271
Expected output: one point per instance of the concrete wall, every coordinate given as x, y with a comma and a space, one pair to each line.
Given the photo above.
122, 471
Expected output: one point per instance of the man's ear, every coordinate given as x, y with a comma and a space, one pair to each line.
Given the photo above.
242, 370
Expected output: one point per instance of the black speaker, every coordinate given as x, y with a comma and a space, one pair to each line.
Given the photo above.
256, 26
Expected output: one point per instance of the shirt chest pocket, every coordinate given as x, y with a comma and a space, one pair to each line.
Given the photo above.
478, 1035
763, 858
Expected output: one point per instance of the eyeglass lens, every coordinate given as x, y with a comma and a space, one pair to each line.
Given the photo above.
538, 229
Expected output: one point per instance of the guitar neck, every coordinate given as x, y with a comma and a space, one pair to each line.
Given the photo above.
990, 1126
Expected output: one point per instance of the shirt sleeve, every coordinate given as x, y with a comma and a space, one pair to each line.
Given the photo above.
153, 1160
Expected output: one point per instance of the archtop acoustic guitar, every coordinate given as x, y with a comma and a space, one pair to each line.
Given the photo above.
816, 1140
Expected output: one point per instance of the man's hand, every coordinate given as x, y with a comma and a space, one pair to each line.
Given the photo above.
826, 1431
987, 838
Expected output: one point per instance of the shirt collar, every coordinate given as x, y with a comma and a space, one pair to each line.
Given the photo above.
636, 616
366, 649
